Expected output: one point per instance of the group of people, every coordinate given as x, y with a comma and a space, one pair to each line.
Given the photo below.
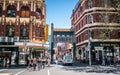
37, 63
107, 60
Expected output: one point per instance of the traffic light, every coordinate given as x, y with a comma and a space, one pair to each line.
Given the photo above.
92, 34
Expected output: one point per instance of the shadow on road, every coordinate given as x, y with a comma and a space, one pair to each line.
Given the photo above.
93, 69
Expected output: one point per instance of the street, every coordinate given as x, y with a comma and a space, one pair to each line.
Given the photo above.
71, 70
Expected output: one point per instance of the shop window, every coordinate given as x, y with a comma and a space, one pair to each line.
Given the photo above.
90, 19
0, 11
10, 31
38, 14
89, 4
11, 11
25, 11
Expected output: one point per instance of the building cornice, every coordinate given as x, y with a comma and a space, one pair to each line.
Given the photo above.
95, 10
98, 40
98, 26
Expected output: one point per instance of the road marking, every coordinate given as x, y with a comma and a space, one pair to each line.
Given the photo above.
48, 72
20, 72
3, 70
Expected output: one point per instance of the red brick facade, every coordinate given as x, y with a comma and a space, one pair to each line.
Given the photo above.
100, 17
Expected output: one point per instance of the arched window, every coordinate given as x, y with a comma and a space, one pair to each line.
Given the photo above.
89, 4
11, 11
10, 31
25, 11
38, 14
0, 11
24, 32
37, 31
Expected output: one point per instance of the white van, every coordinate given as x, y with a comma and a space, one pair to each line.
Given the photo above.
67, 60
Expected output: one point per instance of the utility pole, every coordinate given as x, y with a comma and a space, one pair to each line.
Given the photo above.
89, 47
74, 44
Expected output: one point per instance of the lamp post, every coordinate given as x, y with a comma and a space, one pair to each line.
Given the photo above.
52, 43
43, 41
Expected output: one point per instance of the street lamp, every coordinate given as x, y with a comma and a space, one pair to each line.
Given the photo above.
43, 41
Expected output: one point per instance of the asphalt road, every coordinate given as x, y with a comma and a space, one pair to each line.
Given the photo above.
75, 70
68, 70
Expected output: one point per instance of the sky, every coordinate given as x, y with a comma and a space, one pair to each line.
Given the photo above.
59, 12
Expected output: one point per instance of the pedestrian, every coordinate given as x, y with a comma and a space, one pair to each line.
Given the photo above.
48, 62
106, 63
103, 60
8, 62
34, 64
39, 63
4, 62
115, 60
109, 60
44, 61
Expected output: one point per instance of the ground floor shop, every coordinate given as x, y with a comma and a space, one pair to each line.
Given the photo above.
10, 54
98, 51
18, 56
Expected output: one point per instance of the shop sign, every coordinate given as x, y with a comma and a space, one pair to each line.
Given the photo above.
109, 45
98, 48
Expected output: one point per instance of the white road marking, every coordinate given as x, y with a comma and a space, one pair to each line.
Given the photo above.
20, 72
3, 70
48, 72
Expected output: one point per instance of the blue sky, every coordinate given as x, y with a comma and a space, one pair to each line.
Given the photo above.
59, 12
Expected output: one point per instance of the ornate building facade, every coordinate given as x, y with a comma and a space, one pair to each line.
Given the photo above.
22, 24
97, 22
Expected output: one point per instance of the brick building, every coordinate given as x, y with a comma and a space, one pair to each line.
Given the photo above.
22, 27
99, 21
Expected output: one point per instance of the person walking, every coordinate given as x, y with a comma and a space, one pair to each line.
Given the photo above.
8, 62
4, 62
39, 63
34, 64
115, 60
103, 60
109, 60
48, 62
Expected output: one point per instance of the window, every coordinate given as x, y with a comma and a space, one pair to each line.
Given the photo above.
89, 4
38, 14
90, 19
10, 31
24, 32
106, 18
25, 11
0, 11
37, 31
11, 11
118, 19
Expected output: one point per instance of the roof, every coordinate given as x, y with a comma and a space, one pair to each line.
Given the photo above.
62, 29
